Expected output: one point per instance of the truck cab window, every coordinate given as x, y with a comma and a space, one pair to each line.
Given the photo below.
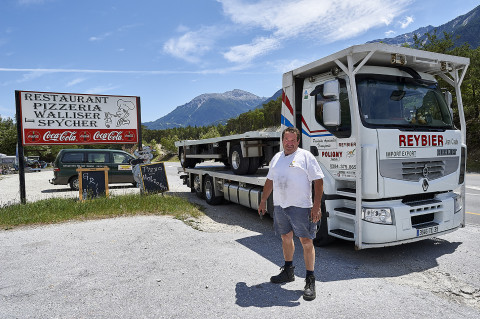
387, 102
345, 128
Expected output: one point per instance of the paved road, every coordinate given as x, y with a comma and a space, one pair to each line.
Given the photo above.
473, 199
158, 267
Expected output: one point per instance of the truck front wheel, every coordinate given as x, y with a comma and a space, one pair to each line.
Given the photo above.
240, 164
323, 238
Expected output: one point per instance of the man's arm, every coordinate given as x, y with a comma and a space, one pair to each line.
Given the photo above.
316, 212
267, 190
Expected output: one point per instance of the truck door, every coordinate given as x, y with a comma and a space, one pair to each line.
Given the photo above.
333, 146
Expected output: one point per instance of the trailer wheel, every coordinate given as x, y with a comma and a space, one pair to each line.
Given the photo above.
240, 164
186, 162
323, 238
253, 165
197, 186
209, 189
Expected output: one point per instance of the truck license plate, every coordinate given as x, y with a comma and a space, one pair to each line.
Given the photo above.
427, 231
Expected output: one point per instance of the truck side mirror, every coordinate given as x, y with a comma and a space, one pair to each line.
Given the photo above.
331, 113
331, 89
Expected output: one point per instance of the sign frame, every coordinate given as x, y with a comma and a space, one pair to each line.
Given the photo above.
81, 170
51, 118
144, 190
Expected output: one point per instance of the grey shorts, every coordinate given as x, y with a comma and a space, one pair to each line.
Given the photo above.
294, 218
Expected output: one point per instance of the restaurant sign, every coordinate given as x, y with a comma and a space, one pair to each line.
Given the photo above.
67, 118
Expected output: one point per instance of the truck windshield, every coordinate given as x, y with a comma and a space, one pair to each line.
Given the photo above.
396, 102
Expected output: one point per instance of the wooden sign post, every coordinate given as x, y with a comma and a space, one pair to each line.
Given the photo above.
93, 182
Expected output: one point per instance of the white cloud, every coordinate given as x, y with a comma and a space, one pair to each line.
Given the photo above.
192, 44
101, 89
246, 52
100, 37
390, 33
406, 22
120, 29
282, 66
75, 82
320, 20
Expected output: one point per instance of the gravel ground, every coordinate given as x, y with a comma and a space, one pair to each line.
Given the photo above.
159, 267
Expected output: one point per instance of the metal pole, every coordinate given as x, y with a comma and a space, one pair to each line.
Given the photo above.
463, 128
139, 124
21, 158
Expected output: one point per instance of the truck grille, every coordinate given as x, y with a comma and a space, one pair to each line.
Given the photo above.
416, 169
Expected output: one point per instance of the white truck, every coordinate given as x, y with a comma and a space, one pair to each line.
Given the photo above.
383, 132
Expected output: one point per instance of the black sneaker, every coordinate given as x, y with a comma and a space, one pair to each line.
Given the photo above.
286, 275
309, 291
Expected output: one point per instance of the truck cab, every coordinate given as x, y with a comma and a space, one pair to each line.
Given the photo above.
383, 132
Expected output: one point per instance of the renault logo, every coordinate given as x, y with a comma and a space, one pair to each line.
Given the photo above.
425, 171
425, 185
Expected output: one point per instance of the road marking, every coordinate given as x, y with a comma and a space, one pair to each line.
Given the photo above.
473, 213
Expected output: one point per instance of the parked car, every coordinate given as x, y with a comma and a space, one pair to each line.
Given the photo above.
68, 160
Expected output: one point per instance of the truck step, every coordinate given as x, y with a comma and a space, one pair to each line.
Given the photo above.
345, 212
348, 192
343, 234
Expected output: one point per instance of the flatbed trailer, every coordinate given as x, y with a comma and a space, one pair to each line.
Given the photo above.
244, 153
217, 184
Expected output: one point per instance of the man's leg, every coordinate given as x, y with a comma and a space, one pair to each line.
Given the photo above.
309, 257
308, 253
288, 246
287, 273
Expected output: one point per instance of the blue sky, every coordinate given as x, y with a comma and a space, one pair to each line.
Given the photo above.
170, 51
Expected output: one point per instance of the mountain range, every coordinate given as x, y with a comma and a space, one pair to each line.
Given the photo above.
207, 109
464, 29
217, 108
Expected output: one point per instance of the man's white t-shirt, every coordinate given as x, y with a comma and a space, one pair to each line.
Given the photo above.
292, 177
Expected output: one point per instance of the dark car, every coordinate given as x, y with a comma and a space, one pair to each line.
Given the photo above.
68, 160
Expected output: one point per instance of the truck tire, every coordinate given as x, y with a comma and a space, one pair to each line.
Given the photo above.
197, 187
254, 163
209, 190
239, 163
186, 162
323, 238
74, 184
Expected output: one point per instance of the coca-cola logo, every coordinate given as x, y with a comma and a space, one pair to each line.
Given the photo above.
33, 136
110, 136
85, 136
129, 136
67, 136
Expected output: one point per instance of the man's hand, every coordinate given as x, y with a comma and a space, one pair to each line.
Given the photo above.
316, 214
262, 208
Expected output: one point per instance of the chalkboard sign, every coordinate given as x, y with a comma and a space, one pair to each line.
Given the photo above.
154, 178
93, 182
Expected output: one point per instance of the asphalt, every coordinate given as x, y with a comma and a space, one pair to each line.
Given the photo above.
159, 267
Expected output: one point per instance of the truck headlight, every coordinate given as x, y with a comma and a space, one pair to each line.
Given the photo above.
457, 201
377, 215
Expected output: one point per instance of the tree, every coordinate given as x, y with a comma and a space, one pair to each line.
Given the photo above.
8, 136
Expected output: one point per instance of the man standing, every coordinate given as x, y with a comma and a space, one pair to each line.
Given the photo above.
290, 178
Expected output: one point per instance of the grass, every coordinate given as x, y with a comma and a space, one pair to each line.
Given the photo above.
57, 210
